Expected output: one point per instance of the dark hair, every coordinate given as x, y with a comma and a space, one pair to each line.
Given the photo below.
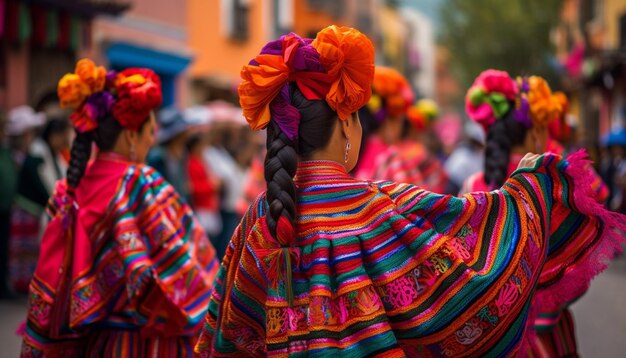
503, 135
193, 141
317, 121
53, 126
105, 137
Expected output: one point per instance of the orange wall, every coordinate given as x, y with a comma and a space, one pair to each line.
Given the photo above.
307, 22
214, 53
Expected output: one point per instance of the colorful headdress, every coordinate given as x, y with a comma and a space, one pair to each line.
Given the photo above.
93, 93
558, 128
392, 89
337, 66
422, 113
494, 93
490, 97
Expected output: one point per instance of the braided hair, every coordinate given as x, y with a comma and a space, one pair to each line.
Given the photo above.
502, 136
317, 121
105, 136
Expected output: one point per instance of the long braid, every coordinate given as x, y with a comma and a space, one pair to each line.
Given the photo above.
502, 136
281, 162
79, 156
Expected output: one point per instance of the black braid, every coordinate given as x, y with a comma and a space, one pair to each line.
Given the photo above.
281, 162
503, 135
79, 156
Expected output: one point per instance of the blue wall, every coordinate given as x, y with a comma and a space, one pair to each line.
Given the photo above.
167, 65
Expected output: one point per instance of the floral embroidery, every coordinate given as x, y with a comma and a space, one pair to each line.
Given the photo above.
468, 333
401, 292
275, 321
509, 293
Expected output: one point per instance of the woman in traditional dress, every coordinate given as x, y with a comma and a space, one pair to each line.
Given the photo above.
383, 118
511, 132
325, 264
410, 161
124, 268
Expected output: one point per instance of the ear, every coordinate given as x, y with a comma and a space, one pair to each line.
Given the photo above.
130, 136
345, 127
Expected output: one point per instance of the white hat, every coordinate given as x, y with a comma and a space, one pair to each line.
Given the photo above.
23, 118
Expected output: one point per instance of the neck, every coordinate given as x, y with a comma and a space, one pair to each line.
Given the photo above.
324, 155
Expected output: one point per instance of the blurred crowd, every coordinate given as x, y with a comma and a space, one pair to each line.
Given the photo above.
215, 162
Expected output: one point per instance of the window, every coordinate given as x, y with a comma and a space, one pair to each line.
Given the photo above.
236, 19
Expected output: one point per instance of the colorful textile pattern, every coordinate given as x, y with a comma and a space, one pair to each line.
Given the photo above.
410, 162
477, 181
127, 270
384, 269
556, 336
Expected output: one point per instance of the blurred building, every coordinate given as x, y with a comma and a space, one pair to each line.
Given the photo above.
151, 34
225, 34
40, 41
590, 43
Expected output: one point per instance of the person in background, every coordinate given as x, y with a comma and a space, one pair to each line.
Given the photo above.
125, 268
391, 97
613, 168
254, 184
42, 168
223, 164
169, 158
325, 264
409, 160
8, 186
204, 188
467, 159
516, 115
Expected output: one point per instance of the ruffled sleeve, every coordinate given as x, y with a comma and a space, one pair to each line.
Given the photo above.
169, 263
583, 235
530, 247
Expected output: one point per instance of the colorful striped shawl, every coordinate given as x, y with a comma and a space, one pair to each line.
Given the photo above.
135, 260
384, 269
410, 162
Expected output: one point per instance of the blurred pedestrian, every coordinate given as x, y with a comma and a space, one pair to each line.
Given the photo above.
8, 187
126, 270
467, 158
204, 188
221, 157
40, 168
169, 157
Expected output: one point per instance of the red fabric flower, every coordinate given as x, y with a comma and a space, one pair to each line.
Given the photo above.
138, 93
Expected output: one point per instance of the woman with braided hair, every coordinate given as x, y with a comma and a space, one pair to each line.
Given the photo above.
124, 268
516, 123
325, 264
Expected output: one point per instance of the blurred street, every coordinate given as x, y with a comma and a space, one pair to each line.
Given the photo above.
600, 317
